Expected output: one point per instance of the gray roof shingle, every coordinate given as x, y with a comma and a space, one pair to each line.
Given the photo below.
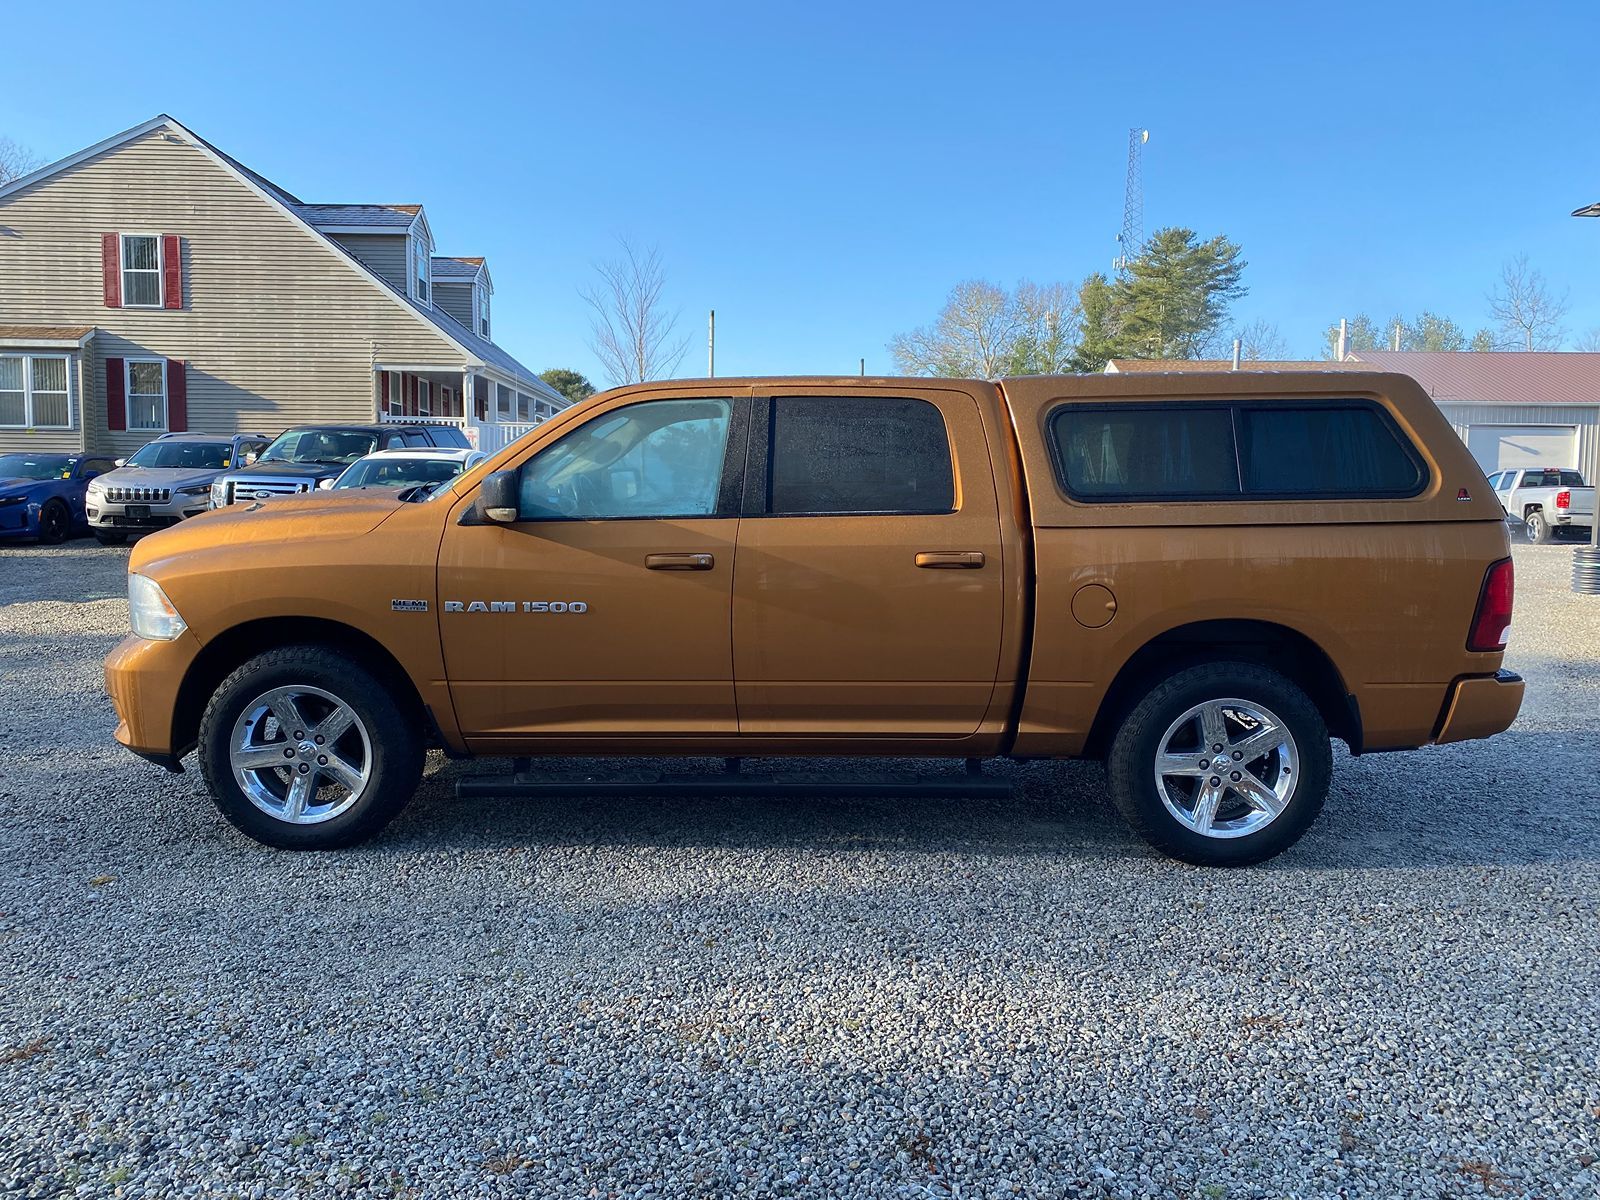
456, 268
333, 216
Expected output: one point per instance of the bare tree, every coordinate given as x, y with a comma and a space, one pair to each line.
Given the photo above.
1261, 341
1589, 342
631, 331
984, 332
1528, 314
15, 162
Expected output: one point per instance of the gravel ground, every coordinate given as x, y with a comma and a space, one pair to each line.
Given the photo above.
644, 998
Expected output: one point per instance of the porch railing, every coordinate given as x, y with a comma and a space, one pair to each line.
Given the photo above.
458, 422
494, 438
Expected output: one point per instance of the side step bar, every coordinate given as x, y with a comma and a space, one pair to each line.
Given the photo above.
732, 782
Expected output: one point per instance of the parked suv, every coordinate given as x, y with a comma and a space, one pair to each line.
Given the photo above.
163, 482
1199, 579
301, 458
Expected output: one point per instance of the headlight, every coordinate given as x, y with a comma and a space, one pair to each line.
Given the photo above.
150, 612
8, 501
201, 490
97, 489
219, 494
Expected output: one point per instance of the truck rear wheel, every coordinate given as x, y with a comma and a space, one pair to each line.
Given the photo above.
1538, 527
305, 749
1222, 764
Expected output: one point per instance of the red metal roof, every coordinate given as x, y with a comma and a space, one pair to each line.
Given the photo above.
1511, 377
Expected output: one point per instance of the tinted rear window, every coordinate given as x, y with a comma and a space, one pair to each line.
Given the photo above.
1122, 452
1245, 450
1305, 451
859, 454
449, 435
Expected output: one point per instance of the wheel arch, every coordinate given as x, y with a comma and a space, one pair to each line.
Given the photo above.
228, 650
1278, 647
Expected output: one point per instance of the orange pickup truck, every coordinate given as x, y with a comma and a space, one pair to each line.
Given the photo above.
1199, 579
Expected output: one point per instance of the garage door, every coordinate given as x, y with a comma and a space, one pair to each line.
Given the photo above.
1497, 447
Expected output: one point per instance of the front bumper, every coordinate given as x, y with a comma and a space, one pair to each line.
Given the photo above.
114, 515
1481, 707
143, 679
19, 521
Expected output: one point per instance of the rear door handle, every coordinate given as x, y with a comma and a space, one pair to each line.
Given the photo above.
950, 560
680, 562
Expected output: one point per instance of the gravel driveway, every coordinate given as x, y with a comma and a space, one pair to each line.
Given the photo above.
848, 998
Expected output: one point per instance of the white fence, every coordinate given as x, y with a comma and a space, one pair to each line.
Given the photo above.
494, 438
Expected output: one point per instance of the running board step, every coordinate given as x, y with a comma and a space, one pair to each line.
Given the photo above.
783, 784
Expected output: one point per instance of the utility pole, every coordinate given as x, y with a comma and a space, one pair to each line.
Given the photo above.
711, 346
1397, 335
863, 366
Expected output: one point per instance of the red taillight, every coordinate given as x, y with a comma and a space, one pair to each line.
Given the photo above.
1491, 624
1563, 499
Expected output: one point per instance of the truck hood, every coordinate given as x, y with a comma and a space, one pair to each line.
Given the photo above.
159, 477
316, 517
278, 469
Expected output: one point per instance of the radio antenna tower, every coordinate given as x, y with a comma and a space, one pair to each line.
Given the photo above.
1131, 240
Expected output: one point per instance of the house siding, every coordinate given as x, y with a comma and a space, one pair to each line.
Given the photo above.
1463, 414
386, 255
455, 299
277, 327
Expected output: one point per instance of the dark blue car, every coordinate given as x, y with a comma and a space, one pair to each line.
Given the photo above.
41, 495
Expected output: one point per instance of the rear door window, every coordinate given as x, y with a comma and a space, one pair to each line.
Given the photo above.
858, 454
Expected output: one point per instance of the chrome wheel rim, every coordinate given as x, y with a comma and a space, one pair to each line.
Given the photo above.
1227, 768
300, 754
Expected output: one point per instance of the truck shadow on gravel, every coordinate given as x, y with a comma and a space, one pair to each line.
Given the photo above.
1521, 799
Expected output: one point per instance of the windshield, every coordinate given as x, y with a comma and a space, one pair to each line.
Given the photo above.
197, 456
35, 466
399, 472
319, 446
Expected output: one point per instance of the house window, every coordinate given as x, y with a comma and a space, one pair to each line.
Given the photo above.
424, 398
397, 395
421, 268
141, 270
505, 402
147, 393
34, 392
482, 294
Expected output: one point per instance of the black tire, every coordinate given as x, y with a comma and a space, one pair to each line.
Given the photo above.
1538, 528
55, 523
109, 538
1131, 763
393, 733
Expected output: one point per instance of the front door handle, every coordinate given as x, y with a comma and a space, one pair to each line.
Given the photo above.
950, 560
680, 562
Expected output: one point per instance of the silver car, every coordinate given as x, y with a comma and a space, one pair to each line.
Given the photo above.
164, 482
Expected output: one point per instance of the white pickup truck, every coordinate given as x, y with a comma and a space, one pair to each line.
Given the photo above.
1547, 499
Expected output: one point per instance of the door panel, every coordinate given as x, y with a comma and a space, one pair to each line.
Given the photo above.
604, 610
650, 653
836, 628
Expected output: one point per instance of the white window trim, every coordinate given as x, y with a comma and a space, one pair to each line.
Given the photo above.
127, 396
424, 398
421, 255
161, 269
27, 391
396, 403
480, 309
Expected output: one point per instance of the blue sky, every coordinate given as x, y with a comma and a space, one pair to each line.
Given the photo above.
821, 174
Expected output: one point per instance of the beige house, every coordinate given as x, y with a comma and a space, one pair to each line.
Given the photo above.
151, 283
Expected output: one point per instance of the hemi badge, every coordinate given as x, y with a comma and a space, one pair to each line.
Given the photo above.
1463, 494
409, 605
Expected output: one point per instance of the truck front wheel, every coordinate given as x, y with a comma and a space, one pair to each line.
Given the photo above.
305, 749
1222, 764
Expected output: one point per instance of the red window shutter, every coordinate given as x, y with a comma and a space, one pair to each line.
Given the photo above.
411, 395
177, 396
383, 391
116, 394
172, 270
111, 269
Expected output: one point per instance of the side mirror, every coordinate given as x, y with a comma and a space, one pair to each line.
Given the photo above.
497, 497
122, 462
325, 485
